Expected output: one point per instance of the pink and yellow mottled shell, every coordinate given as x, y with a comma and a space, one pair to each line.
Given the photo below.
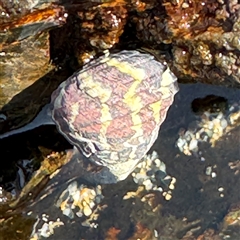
112, 109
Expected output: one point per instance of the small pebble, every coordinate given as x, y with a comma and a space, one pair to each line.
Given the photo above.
167, 196
224, 123
213, 174
220, 189
208, 170
68, 212
157, 162
193, 145
87, 210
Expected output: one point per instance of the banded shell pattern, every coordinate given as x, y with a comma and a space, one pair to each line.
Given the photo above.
112, 109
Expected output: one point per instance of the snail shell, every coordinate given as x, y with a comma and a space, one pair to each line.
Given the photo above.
112, 109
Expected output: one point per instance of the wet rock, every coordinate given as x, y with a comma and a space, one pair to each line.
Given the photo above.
204, 38
25, 60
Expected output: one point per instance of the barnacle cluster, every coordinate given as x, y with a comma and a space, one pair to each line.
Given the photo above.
112, 17
208, 44
204, 37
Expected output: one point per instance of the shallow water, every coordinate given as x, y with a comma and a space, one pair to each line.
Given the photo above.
197, 203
